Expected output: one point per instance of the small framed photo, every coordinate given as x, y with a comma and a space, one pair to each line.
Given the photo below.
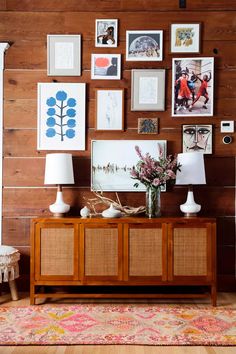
106, 33
185, 37
110, 109
64, 55
148, 90
192, 87
144, 45
147, 125
197, 137
105, 66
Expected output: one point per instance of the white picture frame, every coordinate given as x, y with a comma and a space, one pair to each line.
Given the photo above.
63, 55
148, 90
197, 138
61, 116
105, 66
144, 45
185, 37
112, 161
109, 109
106, 32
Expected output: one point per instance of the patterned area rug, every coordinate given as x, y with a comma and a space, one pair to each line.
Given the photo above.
117, 324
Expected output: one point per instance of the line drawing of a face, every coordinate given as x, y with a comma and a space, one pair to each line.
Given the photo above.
197, 138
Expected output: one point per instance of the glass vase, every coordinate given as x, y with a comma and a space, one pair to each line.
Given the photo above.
153, 202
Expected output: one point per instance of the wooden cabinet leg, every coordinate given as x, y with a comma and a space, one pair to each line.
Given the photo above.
32, 292
213, 295
13, 289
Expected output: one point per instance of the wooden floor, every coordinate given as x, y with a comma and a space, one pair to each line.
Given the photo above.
224, 299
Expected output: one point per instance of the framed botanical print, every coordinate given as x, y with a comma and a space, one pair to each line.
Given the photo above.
192, 86
110, 109
185, 37
147, 125
148, 90
106, 66
106, 33
144, 45
197, 137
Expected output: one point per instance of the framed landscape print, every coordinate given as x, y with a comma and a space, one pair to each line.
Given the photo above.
192, 86
112, 161
185, 37
105, 66
110, 109
144, 45
148, 90
197, 137
61, 116
106, 33
64, 55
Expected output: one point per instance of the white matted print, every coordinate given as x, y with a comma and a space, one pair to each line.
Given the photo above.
112, 161
185, 38
106, 33
197, 137
144, 45
110, 109
192, 86
64, 55
61, 116
105, 66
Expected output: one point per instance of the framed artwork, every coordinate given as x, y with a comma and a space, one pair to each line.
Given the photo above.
147, 125
110, 109
64, 55
61, 116
197, 137
192, 86
105, 66
111, 164
144, 45
185, 37
106, 33
148, 90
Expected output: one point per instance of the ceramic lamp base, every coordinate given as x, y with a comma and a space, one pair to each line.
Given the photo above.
190, 208
59, 208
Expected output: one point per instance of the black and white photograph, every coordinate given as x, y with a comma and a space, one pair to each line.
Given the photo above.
144, 45
106, 33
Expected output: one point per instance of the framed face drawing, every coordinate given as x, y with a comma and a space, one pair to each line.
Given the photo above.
192, 86
106, 33
110, 109
185, 37
197, 138
144, 45
105, 66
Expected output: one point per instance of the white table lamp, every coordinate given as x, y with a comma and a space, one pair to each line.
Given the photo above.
59, 170
192, 171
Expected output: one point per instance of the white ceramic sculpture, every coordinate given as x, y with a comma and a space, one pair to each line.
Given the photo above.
111, 212
84, 212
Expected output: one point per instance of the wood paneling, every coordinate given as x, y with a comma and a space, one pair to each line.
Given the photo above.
25, 24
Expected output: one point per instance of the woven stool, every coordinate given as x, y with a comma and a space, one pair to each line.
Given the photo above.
9, 268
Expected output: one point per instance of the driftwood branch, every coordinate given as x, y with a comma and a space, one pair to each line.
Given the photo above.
101, 199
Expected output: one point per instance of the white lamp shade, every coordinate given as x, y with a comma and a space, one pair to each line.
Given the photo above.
59, 169
192, 168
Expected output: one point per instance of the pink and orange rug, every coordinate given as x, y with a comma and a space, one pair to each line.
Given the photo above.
117, 324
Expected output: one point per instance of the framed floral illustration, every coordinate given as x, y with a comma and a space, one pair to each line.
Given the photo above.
192, 86
197, 137
144, 45
110, 109
61, 116
185, 37
147, 125
105, 66
106, 33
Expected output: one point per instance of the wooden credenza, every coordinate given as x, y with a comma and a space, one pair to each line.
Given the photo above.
133, 254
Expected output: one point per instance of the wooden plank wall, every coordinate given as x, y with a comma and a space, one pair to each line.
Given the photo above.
25, 24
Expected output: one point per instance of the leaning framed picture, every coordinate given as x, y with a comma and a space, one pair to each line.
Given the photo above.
148, 90
185, 37
144, 45
111, 164
61, 116
64, 55
106, 33
197, 137
105, 66
192, 86
110, 109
